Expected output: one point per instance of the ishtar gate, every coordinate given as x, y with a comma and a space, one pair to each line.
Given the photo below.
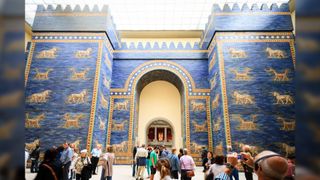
233, 87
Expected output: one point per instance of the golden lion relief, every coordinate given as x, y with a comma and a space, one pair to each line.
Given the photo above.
119, 126
122, 105
287, 125
241, 76
199, 127
81, 75
275, 53
283, 99
34, 122
197, 106
104, 102
279, 76
247, 125
72, 121
41, 97
242, 98
42, 75
50, 53
237, 53
122, 147
215, 102
79, 98
83, 53
216, 125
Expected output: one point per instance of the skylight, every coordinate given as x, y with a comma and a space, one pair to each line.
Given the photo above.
150, 14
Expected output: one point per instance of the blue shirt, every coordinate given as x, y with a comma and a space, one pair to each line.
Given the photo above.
66, 156
96, 152
222, 176
174, 162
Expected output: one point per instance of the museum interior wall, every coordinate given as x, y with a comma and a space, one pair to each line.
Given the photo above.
235, 85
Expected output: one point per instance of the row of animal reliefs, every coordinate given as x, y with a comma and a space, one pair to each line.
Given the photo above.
53, 53
76, 75
250, 124
255, 149
247, 99
244, 75
271, 53
71, 121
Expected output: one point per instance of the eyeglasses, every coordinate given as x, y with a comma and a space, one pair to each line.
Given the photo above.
256, 163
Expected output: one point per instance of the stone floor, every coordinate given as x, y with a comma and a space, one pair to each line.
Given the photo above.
123, 172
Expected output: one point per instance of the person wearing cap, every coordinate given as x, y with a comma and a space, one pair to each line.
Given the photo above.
269, 165
83, 166
95, 155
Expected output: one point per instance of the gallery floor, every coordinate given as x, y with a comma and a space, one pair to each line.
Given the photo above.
123, 172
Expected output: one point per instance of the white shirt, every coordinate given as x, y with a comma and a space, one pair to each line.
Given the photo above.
141, 152
216, 169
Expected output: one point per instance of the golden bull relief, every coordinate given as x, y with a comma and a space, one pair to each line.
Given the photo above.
279, 76
42, 75
81, 75
31, 146
41, 97
122, 105
199, 127
83, 53
77, 98
33, 122
287, 148
50, 53
197, 106
213, 81
195, 148
237, 53
275, 53
72, 121
241, 76
246, 125
119, 126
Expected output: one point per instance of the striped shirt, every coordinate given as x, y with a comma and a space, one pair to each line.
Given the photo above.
222, 176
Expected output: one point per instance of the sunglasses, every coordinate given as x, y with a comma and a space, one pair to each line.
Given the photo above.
256, 163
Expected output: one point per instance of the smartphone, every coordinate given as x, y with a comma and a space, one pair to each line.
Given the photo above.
240, 156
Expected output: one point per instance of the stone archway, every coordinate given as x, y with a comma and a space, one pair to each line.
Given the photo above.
160, 132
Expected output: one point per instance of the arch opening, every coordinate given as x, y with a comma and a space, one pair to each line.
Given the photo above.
159, 103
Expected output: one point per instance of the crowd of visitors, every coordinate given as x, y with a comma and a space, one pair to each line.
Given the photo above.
67, 162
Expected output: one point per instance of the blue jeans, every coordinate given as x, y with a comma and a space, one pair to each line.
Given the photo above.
234, 174
134, 167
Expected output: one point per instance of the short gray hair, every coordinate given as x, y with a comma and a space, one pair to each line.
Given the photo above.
185, 151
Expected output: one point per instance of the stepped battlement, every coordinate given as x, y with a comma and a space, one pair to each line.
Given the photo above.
160, 46
235, 7
69, 9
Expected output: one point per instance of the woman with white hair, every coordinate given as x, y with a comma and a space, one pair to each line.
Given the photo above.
83, 166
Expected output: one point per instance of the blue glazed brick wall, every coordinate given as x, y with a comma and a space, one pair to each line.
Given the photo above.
256, 117
53, 127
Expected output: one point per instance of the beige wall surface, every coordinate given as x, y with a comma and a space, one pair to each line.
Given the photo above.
160, 100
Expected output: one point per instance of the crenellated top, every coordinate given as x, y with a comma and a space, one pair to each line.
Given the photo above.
160, 46
58, 19
254, 8
246, 18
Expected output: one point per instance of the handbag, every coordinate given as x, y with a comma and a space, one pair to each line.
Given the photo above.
190, 173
